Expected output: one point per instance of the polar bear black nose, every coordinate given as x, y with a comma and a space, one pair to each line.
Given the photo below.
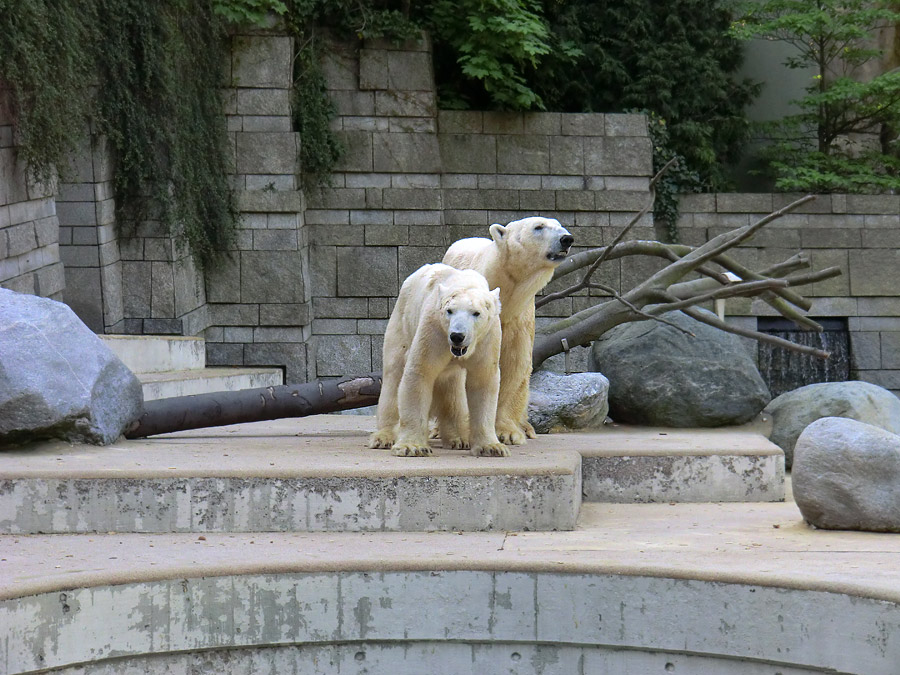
456, 338
566, 240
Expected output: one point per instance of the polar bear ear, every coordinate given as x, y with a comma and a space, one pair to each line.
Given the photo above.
496, 295
498, 233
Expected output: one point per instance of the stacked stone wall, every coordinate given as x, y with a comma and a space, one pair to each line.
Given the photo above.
860, 234
29, 228
416, 179
259, 297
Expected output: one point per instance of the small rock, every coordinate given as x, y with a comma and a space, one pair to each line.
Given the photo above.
793, 411
577, 401
58, 379
847, 476
660, 376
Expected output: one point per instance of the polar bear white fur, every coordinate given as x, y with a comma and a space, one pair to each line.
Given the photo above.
441, 359
519, 259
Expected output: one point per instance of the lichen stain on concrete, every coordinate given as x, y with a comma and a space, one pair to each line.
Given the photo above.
363, 615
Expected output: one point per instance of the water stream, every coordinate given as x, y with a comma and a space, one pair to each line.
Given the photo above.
785, 370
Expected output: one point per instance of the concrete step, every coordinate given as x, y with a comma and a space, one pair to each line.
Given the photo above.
206, 380
157, 353
316, 474
625, 464
312, 474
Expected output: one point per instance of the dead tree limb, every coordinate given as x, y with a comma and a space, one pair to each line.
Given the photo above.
667, 290
200, 411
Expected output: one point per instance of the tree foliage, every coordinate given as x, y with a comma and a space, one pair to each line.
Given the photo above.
674, 59
844, 137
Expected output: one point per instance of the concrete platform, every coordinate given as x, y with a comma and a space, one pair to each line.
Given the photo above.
312, 474
637, 588
632, 464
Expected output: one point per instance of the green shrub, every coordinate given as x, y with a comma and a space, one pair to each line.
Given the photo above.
844, 139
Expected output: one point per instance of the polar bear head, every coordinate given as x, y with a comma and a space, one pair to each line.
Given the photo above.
469, 311
539, 241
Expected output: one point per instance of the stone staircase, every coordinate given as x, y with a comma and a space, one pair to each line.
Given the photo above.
176, 366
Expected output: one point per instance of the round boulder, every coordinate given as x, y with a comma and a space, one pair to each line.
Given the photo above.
58, 379
847, 476
793, 411
577, 401
661, 376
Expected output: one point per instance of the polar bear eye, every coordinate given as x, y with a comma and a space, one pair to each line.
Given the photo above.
449, 312
538, 228
476, 313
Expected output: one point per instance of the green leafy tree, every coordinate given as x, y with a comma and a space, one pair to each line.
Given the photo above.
487, 51
672, 58
844, 136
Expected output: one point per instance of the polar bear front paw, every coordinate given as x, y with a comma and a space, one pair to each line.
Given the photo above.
491, 450
510, 434
383, 438
411, 450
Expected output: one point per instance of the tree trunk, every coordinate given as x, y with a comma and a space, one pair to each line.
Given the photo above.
181, 413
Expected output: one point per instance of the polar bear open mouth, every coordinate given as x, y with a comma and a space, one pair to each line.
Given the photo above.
459, 351
557, 256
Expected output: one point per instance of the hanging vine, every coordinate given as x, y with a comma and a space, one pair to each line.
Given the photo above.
146, 75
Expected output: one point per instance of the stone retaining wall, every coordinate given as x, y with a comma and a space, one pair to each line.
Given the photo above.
416, 179
858, 233
29, 229
259, 297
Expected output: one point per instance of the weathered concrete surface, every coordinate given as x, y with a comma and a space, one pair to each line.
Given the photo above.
157, 353
714, 588
207, 380
313, 474
447, 658
639, 464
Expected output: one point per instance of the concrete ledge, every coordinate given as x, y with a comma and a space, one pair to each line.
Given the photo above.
627, 464
236, 480
167, 384
463, 622
157, 353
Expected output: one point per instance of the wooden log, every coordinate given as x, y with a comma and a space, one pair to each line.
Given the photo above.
181, 413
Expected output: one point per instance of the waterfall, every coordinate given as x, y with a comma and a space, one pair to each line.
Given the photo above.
785, 370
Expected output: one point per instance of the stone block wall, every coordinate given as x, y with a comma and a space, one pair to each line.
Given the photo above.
858, 233
258, 300
88, 238
29, 228
415, 179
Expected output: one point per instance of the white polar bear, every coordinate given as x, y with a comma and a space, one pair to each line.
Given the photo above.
519, 259
441, 357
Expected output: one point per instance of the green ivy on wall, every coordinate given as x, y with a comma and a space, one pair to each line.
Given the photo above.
146, 75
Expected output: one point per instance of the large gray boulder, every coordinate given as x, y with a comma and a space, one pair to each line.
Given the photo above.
58, 379
577, 401
847, 476
793, 411
662, 377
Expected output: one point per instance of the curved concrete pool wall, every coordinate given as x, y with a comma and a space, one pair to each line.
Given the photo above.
464, 621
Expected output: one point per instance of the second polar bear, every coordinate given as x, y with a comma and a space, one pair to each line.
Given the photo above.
519, 259
441, 357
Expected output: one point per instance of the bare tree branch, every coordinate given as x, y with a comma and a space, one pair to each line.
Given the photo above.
761, 337
666, 291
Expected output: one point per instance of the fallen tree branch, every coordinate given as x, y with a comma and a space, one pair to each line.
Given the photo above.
222, 408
